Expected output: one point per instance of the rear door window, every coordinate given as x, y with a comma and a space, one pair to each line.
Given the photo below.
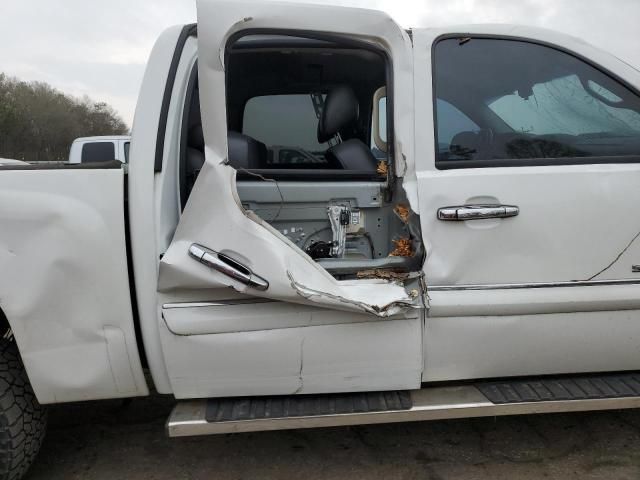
288, 125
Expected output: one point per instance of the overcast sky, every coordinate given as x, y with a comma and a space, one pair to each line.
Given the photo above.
99, 48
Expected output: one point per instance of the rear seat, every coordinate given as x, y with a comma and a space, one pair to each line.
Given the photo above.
244, 152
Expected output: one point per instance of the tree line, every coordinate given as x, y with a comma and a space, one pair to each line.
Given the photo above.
39, 122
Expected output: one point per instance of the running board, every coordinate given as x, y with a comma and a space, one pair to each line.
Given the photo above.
511, 397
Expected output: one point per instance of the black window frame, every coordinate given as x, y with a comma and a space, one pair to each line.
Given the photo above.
521, 162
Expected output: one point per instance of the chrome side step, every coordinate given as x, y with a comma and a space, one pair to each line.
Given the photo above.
432, 403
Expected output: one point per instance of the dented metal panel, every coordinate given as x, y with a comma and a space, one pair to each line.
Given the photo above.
214, 216
230, 350
64, 285
320, 334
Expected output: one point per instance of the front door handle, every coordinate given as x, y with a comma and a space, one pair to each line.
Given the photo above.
227, 266
476, 212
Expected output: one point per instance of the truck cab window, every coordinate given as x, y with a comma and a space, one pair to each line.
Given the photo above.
287, 125
301, 104
98, 152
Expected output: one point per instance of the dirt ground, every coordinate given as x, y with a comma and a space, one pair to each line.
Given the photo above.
116, 440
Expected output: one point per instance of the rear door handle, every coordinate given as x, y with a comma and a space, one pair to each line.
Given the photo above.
227, 266
476, 212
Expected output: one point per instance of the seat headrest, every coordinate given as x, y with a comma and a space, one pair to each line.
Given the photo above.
244, 152
465, 140
340, 111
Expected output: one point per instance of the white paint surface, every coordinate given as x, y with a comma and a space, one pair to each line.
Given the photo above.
64, 239
64, 285
278, 349
574, 221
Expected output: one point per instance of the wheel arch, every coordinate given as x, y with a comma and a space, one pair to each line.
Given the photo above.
5, 328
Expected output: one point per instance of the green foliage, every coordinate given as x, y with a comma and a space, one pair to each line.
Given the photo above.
39, 123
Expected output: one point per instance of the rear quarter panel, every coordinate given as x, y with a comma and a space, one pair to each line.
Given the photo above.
64, 285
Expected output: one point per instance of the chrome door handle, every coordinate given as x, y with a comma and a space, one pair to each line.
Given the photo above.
477, 212
227, 266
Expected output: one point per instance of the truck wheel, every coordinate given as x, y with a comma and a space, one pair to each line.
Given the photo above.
23, 420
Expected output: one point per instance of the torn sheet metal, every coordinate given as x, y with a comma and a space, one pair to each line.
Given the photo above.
383, 274
214, 216
394, 300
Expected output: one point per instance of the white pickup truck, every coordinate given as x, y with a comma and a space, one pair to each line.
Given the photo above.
10, 161
100, 149
270, 271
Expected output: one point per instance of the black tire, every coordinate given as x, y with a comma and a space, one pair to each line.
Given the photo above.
23, 420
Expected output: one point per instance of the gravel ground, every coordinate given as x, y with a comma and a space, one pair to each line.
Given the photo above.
126, 440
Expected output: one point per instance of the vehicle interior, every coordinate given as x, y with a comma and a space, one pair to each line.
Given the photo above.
301, 116
543, 104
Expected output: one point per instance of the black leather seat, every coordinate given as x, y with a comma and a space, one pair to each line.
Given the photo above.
195, 151
339, 115
244, 152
